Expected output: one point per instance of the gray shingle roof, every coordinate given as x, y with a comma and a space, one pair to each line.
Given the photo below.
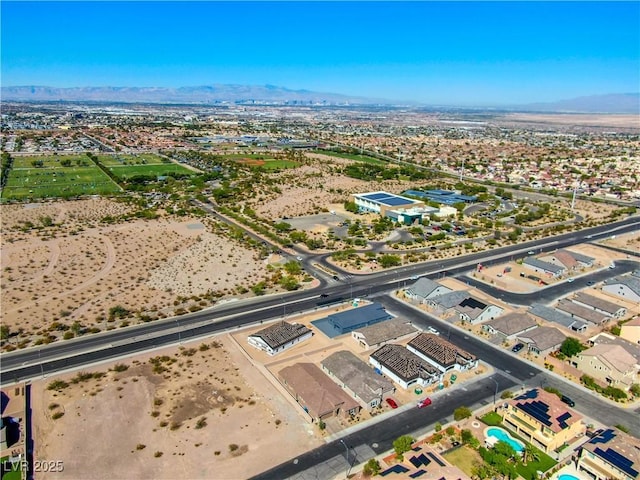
450, 300
547, 266
424, 287
552, 315
544, 337
584, 313
597, 302
632, 282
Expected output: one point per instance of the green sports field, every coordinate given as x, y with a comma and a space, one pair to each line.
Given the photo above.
146, 164
353, 156
45, 176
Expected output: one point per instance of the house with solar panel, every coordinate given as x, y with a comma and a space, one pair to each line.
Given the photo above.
278, 337
610, 454
543, 420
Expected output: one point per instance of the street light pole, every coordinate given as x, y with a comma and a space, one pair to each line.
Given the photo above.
495, 393
346, 449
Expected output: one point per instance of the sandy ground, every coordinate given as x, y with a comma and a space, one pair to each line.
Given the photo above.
80, 268
114, 426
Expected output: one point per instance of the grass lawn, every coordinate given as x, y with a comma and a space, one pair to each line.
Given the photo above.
10, 474
128, 171
492, 419
464, 458
352, 156
82, 177
529, 470
117, 160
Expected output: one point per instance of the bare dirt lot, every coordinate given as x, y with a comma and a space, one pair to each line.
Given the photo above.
189, 412
79, 268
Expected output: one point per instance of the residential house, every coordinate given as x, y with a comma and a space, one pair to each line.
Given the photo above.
384, 332
510, 325
627, 288
278, 337
357, 378
542, 340
316, 393
606, 338
611, 454
446, 302
569, 259
551, 315
546, 268
425, 288
610, 364
441, 354
405, 368
476, 311
600, 305
543, 420
630, 331
580, 312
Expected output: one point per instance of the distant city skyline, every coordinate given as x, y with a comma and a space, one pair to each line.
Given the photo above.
450, 53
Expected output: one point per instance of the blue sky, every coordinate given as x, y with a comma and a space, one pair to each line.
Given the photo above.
457, 53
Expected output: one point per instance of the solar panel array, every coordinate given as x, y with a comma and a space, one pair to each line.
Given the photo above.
562, 420
617, 460
604, 437
387, 199
538, 410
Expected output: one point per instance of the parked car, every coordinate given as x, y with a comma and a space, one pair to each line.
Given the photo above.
568, 401
517, 347
570, 279
530, 252
433, 330
392, 403
424, 403
324, 295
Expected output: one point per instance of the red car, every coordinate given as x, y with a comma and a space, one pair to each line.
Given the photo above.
392, 403
424, 403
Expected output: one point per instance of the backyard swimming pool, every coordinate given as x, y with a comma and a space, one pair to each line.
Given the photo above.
502, 435
566, 476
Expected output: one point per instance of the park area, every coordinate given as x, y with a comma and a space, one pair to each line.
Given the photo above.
53, 176
260, 160
124, 167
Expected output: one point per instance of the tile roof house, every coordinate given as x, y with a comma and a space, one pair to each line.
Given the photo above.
316, 393
404, 367
441, 354
569, 259
383, 332
580, 312
599, 304
278, 337
542, 340
627, 287
610, 454
543, 420
610, 364
551, 315
630, 331
357, 378
509, 325
425, 288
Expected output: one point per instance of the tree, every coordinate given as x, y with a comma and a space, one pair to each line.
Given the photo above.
635, 389
571, 346
293, 268
461, 413
371, 468
402, 444
282, 227
76, 328
5, 332
530, 453
388, 260
466, 435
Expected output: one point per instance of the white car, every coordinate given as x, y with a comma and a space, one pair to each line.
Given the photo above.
570, 279
299, 259
433, 330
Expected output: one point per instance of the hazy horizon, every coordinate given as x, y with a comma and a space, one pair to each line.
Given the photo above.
453, 53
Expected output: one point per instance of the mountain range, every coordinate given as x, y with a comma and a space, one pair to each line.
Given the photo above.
268, 94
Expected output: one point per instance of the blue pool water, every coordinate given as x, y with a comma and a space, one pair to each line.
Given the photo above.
502, 435
566, 476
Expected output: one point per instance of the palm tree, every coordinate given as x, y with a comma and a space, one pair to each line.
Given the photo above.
530, 453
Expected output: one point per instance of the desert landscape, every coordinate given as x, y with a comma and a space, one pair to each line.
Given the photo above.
193, 411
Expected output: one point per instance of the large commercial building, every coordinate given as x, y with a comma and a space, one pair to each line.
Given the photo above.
379, 202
